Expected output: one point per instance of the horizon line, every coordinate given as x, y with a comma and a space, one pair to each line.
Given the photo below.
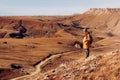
1, 15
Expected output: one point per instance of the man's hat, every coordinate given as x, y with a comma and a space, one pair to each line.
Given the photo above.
85, 29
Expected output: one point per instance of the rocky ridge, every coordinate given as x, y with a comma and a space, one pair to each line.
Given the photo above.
99, 11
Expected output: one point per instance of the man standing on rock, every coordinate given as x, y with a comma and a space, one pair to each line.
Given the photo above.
87, 40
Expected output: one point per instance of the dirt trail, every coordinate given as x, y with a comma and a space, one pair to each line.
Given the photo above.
38, 67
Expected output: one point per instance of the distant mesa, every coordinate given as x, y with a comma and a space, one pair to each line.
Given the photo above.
111, 9
102, 10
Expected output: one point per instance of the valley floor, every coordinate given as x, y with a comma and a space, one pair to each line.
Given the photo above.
37, 57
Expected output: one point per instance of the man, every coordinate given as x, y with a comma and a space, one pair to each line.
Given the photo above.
86, 42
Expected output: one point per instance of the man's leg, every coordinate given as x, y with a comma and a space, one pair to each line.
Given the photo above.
87, 53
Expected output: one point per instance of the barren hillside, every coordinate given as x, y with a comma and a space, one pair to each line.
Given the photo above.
102, 22
97, 67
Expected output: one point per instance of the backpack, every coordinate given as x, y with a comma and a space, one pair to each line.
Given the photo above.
91, 39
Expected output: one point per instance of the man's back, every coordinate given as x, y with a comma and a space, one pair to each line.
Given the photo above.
86, 42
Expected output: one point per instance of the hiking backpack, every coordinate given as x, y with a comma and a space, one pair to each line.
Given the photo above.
91, 39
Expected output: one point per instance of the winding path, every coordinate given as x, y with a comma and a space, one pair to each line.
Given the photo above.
38, 67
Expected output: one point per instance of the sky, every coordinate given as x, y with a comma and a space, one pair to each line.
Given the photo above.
52, 7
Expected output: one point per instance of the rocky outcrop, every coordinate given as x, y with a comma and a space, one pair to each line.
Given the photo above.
21, 31
98, 11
